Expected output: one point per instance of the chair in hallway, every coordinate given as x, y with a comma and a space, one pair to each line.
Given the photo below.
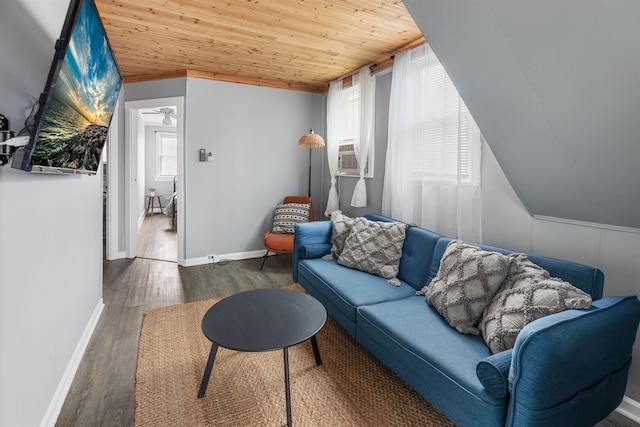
282, 242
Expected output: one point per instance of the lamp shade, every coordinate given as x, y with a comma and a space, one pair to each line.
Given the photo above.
311, 140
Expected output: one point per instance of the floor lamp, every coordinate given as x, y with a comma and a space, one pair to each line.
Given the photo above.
311, 140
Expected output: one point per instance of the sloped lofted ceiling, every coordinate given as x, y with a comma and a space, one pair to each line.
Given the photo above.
555, 88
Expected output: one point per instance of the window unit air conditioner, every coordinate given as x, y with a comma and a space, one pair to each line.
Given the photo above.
347, 162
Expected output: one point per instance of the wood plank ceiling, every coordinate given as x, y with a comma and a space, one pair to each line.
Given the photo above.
294, 44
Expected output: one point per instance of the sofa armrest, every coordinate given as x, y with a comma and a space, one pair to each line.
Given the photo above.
309, 234
493, 373
571, 368
314, 250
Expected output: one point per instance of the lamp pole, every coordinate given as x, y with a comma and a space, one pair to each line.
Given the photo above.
310, 171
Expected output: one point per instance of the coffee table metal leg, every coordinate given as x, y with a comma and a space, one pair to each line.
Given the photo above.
207, 370
316, 350
287, 386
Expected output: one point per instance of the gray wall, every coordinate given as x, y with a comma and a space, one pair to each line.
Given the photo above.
50, 238
253, 133
555, 88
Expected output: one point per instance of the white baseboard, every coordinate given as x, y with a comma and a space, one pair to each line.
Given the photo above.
189, 262
239, 256
630, 409
55, 406
118, 255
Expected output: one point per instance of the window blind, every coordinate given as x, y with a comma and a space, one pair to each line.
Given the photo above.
350, 114
441, 143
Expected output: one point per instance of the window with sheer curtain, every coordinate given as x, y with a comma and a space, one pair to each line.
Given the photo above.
350, 115
432, 175
350, 131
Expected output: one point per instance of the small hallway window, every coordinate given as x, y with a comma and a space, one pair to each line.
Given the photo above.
166, 155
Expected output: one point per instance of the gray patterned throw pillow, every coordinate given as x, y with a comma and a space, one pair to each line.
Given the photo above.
340, 229
527, 294
467, 280
374, 247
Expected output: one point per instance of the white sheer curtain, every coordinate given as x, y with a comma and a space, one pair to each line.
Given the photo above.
366, 85
432, 172
334, 110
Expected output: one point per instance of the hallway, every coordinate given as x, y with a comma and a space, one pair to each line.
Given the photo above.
157, 238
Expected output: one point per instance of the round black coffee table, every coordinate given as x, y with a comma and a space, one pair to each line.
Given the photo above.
263, 320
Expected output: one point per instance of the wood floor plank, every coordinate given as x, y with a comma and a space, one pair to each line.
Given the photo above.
103, 390
157, 238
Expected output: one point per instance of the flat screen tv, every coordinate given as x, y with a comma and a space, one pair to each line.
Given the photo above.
78, 101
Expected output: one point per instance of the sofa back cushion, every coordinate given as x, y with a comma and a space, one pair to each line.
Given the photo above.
417, 256
417, 253
588, 279
423, 250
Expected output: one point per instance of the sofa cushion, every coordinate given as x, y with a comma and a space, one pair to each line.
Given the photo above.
348, 288
374, 247
528, 294
417, 256
493, 373
414, 334
288, 215
466, 282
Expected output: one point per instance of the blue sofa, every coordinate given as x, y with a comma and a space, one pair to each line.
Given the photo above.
566, 369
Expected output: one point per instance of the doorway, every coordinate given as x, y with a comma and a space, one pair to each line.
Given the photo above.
140, 118
157, 233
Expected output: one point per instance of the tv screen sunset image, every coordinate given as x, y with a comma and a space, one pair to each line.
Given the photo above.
77, 118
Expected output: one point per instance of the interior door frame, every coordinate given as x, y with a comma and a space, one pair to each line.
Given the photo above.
112, 246
131, 197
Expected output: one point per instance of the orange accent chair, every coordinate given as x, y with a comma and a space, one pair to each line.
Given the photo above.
282, 243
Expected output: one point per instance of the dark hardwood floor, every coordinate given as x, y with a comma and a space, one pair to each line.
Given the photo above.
102, 392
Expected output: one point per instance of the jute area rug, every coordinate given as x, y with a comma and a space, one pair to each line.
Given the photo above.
350, 388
